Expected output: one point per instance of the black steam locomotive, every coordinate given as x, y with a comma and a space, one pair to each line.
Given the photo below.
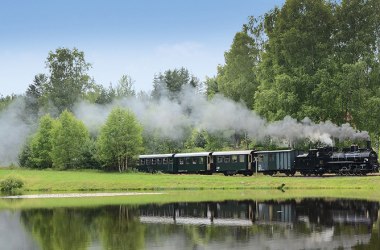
349, 161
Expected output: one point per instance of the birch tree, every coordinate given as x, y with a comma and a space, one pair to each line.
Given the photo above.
120, 139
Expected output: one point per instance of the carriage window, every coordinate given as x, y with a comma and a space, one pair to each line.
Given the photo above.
261, 158
241, 158
188, 160
147, 161
180, 161
165, 161
142, 161
201, 160
271, 157
226, 159
153, 161
220, 159
194, 160
234, 158
159, 161
170, 160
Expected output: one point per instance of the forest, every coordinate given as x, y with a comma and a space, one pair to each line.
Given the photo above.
312, 63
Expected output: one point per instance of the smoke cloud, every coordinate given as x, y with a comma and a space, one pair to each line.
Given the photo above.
14, 131
172, 118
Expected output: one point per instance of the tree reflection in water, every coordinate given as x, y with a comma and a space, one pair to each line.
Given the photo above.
296, 224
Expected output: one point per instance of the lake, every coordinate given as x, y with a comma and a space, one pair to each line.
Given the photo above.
234, 224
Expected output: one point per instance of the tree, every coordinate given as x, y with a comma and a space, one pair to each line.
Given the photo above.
357, 30
125, 87
34, 96
41, 144
68, 137
68, 77
171, 82
120, 139
299, 45
212, 87
237, 78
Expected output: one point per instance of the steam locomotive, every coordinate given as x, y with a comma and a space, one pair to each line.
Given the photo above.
349, 161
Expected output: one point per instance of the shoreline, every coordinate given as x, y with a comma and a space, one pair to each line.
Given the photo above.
74, 195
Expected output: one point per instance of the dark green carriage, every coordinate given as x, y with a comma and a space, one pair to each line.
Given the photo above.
277, 161
156, 163
234, 162
192, 163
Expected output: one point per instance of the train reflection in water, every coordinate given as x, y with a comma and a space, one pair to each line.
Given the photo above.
300, 224
247, 213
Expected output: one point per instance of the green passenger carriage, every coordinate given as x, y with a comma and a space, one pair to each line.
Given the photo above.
156, 163
234, 162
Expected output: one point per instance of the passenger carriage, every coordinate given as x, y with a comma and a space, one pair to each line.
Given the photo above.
234, 162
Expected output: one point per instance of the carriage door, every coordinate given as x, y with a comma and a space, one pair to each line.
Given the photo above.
249, 161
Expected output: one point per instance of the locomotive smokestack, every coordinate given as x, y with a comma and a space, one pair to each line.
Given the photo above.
369, 144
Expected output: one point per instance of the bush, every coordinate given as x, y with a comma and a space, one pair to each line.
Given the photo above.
10, 184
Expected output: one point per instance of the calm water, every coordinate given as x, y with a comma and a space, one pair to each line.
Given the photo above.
291, 224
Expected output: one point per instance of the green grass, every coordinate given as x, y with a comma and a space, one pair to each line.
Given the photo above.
51, 181
178, 188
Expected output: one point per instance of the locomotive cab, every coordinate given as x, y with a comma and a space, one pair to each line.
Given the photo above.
314, 162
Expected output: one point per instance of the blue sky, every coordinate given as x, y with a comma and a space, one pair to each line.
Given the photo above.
135, 37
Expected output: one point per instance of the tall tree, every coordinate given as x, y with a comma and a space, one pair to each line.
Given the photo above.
120, 139
68, 77
68, 137
237, 78
41, 144
299, 44
34, 96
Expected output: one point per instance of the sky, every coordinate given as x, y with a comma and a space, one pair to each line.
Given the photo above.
139, 38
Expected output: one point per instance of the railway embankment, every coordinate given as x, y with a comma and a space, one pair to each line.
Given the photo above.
69, 181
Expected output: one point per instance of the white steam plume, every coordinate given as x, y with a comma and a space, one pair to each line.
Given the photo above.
171, 118
13, 132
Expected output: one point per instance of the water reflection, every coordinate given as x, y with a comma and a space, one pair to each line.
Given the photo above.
291, 224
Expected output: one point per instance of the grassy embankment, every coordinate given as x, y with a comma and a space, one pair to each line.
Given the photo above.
50, 181
177, 188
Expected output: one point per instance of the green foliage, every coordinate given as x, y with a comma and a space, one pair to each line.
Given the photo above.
25, 154
11, 183
120, 139
89, 155
35, 98
68, 77
236, 79
5, 101
41, 144
216, 141
68, 137
321, 61
125, 87
171, 82
196, 140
